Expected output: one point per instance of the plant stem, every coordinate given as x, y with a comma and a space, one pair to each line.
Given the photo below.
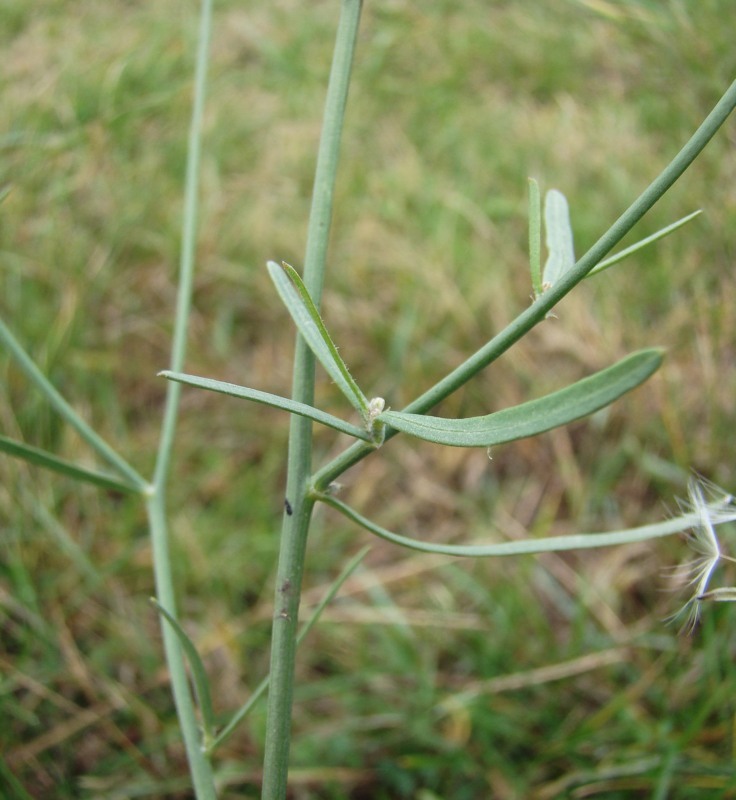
188, 244
295, 525
539, 309
320, 217
257, 693
199, 765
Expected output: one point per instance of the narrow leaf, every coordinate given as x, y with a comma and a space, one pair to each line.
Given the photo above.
628, 251
260, 690
265, 398
43, 458
309, 322
199, 675
536, 416
578, 541
561, 256
535, 237
62, 407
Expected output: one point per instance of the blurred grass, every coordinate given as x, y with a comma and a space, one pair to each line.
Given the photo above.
453, 106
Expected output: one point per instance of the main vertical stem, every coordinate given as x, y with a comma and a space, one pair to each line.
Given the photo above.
199, 765
298, 507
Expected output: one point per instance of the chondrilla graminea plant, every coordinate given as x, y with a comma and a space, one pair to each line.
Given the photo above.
371, 422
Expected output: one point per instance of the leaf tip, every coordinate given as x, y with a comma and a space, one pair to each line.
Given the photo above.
657, 353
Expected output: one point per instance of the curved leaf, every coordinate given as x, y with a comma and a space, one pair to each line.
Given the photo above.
268, 399
199, 674
536, 416
577, 541
303, 311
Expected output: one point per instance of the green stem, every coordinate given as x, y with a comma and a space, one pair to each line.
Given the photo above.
544, 304
188, 244
539, 309
320, 218
295, 525
258, 692
199, 766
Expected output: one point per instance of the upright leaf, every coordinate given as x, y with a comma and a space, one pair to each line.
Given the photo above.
535, 237
561, 256
304, 312
536, 416
628, 251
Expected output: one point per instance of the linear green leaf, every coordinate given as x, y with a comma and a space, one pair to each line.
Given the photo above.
535, 237
561, 258
304, 312
628, 251
536, 416
273, 400
199, 675
578, 541
42, 458
62, 407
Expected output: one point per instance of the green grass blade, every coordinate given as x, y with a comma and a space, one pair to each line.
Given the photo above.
199, 675
628, 251
43, 458
578, 541
14, 788
260, 690
535, 237
303, 311
561, 257
57, 533
273, 400
536, 416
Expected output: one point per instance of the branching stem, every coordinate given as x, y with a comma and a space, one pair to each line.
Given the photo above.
539, 309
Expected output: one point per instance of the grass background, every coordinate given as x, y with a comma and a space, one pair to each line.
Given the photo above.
429, 678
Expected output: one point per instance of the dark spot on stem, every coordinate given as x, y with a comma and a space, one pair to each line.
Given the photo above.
287, 506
